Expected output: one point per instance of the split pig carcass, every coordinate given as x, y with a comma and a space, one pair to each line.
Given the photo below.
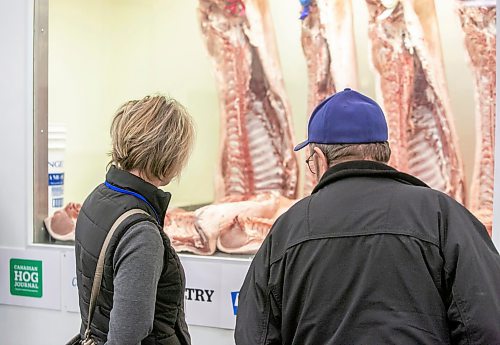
257, 165
328, 45
478, 19
406, 54
256, 140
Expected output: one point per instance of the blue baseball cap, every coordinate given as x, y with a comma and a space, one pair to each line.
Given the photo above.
347, 117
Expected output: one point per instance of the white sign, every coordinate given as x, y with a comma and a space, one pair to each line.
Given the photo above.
41, 278
212, 288
30, 278
68, 283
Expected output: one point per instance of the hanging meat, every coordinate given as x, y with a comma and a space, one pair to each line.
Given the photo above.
61, 225
328, 45
256, 136
406, 54
258, 169
478, 20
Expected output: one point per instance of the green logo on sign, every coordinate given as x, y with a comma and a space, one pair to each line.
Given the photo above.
26, 278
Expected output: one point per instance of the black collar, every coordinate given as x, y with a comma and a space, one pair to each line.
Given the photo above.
155, 196
366, 169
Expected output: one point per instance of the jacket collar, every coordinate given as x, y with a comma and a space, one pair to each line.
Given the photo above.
364, 168
155, 196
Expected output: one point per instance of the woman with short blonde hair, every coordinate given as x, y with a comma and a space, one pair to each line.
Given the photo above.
138, 143
142, 291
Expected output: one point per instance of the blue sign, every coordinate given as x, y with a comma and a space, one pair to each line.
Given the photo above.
234, 298
56, 179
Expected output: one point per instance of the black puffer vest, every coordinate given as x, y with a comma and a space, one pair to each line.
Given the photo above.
99, 211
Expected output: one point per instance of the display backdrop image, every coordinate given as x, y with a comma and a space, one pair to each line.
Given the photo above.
250, 72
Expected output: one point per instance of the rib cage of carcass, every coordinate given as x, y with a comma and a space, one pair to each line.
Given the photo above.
256, 136
257, 177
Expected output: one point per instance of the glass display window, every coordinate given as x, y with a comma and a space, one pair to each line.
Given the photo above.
91, 56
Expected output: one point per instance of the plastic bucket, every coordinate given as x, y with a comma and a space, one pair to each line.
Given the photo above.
57, 148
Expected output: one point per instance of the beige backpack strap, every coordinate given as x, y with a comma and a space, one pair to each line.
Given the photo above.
96, 285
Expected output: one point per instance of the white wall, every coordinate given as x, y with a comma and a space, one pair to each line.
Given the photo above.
22, 325
16, 102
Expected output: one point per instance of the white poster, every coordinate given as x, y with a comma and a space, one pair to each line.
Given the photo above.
47, 279
68, 283
212, 288
30, 278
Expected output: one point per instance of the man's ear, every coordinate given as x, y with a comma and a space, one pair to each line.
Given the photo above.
322, 162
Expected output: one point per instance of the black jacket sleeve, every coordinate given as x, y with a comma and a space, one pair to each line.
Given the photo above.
258, 318
471, 277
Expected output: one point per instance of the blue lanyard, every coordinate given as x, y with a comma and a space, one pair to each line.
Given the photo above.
137, 195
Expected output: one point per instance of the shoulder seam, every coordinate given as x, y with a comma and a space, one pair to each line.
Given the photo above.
373, 233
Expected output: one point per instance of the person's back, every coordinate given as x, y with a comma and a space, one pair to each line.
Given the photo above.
366, 265
373, 256
141, 295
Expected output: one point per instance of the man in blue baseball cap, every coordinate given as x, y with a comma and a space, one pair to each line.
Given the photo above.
346, 126
373, 255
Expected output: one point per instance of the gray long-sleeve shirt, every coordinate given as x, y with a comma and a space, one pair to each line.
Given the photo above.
137, 263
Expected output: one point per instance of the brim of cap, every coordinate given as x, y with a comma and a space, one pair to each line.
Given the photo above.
301, 145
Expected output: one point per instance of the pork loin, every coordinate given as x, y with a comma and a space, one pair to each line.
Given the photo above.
61, 225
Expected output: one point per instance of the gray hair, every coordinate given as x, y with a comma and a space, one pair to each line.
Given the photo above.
380, 152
